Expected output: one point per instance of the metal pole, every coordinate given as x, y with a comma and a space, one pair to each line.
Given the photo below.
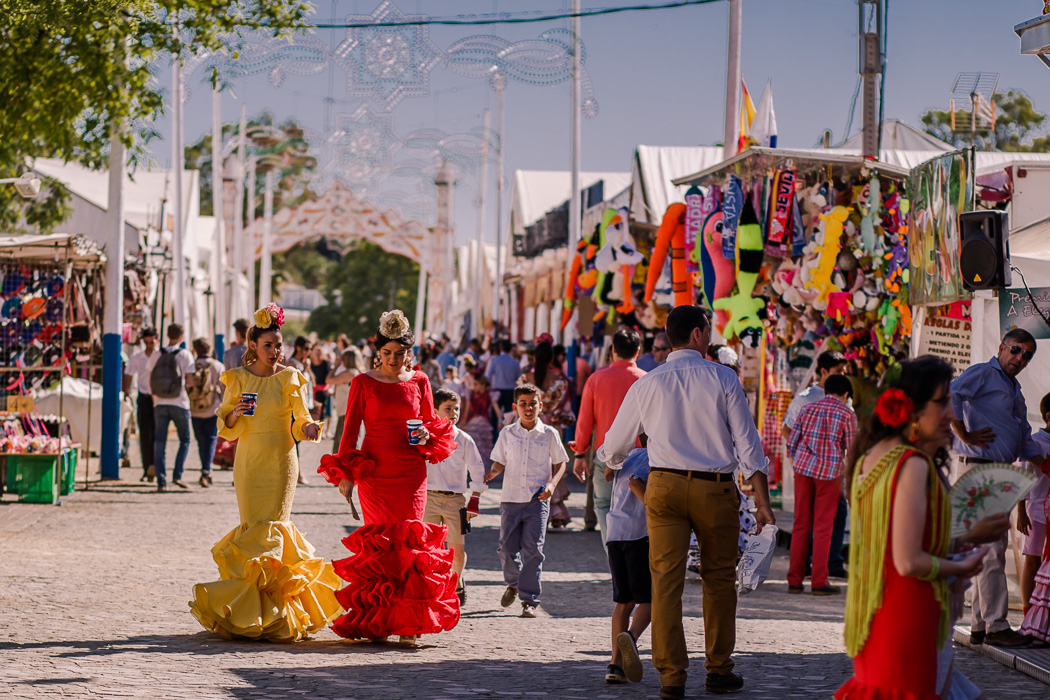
732, 123
250, 244
238, 303
177, 159
575, 157
113, 314
266, 268
497, 284
479, 260
870, 67
218, 262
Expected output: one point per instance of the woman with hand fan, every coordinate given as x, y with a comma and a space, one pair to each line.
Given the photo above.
899, 606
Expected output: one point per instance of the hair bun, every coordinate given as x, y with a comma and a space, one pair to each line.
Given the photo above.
393, 324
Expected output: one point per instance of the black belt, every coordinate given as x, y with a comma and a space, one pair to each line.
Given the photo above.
689, 474
446, 493
974, 460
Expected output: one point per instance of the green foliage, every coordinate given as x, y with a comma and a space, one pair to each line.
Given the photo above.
360, 289
70, 68
1017, 124
303, 265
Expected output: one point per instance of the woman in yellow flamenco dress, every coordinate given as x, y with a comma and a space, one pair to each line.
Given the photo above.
271, 584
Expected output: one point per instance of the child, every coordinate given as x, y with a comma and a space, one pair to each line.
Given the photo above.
447, 482
479, 416
628, 545
1031, 514
534, 459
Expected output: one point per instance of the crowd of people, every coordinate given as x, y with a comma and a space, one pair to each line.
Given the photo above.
662, 435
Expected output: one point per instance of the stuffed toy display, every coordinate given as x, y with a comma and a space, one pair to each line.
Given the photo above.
869, 214
830, 244
745, 311
718, 273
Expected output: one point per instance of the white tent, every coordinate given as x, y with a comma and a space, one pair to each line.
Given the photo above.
653, 168
81, 400
898, 136
536, 192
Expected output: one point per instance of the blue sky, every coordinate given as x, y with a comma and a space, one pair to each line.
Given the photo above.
659, 76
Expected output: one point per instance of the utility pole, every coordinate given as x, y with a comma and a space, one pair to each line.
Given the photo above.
266, 268
576, 157
250, 237
499, 82
218, 262
479, 262
178, 235
870, 68
113, 315
238, 303
732, 122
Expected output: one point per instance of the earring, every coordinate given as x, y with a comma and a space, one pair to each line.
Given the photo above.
913, 433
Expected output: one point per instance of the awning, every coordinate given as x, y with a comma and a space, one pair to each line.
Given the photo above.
52, 246
812, 159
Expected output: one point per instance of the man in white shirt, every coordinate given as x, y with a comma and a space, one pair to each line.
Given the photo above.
447, 485
700, 432
140, 365
534, 459
171, 404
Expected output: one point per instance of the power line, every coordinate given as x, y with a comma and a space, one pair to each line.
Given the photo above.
507, 18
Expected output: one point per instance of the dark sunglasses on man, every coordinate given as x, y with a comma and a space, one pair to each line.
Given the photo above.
1018, 350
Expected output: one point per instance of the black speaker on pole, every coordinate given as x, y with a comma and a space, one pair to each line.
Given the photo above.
985, 256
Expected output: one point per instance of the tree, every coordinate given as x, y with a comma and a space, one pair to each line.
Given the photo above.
70, 68
368, 282
1017, 124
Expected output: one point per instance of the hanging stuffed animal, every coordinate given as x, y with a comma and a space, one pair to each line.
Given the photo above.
732, 205
745, 311
869, 214
625, 256
718, 273
605, 264
838, 305
671, 234
830, 244
694, 222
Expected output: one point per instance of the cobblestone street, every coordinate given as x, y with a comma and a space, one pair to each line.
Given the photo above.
93, 604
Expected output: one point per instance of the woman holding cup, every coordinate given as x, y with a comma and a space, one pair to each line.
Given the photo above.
271, 585
399, 579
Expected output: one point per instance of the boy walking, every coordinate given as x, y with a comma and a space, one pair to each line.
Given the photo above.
534, 459
447, 484
628, 545
818, 445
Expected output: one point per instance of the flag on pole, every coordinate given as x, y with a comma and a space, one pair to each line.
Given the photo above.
764, 125
747, 116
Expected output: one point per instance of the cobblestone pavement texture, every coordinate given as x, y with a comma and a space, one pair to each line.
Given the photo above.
93, 604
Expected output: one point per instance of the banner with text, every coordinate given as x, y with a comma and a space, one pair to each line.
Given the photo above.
1017, 311
947, 338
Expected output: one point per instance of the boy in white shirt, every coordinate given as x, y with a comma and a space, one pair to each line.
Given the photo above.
447, 484
534, 458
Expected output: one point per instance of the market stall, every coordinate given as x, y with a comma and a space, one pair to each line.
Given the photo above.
50, 310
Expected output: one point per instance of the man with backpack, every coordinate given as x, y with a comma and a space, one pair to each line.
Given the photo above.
171, 404
205, 392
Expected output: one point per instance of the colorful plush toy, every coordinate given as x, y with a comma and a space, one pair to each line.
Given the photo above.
830, 244
869, 214
718, 273
897, 271
671, 234
838, 305
745, 311
571, 294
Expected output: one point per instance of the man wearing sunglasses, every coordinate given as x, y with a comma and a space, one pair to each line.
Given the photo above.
991, 425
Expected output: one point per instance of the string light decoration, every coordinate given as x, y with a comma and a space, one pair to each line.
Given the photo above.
388, 63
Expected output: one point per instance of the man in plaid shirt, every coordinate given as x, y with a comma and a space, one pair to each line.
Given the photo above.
818, 444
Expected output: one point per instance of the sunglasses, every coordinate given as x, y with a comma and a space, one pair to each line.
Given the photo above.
1018, 350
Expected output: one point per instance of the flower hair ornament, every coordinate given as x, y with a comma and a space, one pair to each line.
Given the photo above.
269, 316
894, 408
393, 324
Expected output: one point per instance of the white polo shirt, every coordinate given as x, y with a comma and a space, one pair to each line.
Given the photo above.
140, 366
451, 474
528, 456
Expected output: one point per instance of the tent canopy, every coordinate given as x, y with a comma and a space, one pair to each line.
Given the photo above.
51, 246
654, 169
898, 136
536, 192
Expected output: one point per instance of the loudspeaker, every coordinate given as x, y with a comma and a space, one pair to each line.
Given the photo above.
985, 255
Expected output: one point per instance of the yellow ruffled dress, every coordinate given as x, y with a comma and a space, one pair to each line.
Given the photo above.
271, 585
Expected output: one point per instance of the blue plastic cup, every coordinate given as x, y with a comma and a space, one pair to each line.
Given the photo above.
253, 397
413, 425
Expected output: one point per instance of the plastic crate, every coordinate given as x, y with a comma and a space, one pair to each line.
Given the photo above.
34, 477
69, 472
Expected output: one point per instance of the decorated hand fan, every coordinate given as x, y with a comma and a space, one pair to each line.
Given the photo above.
985, 490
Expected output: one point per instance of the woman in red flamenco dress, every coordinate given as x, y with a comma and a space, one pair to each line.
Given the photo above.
399, 578
899, 605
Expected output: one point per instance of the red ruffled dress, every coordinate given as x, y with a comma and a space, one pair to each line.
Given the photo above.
399, 578
1037, 619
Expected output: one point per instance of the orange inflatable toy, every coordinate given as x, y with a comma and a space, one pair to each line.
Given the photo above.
671, 234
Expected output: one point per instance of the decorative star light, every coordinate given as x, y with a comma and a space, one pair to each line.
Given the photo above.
388, 64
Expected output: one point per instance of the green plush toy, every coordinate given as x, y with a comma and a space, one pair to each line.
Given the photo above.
745, 311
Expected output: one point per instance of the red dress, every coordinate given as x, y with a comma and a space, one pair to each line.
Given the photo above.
899, 657
399, 577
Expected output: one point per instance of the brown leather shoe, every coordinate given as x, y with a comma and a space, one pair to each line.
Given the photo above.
672, 692
1007, 638
827, 589
721, 683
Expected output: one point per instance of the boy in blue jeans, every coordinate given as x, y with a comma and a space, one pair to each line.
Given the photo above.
533, 457
628, 545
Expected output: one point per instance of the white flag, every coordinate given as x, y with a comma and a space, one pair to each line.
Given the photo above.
764, 128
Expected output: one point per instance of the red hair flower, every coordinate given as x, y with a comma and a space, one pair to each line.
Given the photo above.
894, 408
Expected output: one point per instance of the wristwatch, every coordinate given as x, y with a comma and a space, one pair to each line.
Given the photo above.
581, 456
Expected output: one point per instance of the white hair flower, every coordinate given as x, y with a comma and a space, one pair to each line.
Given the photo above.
728, 357
393, 324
